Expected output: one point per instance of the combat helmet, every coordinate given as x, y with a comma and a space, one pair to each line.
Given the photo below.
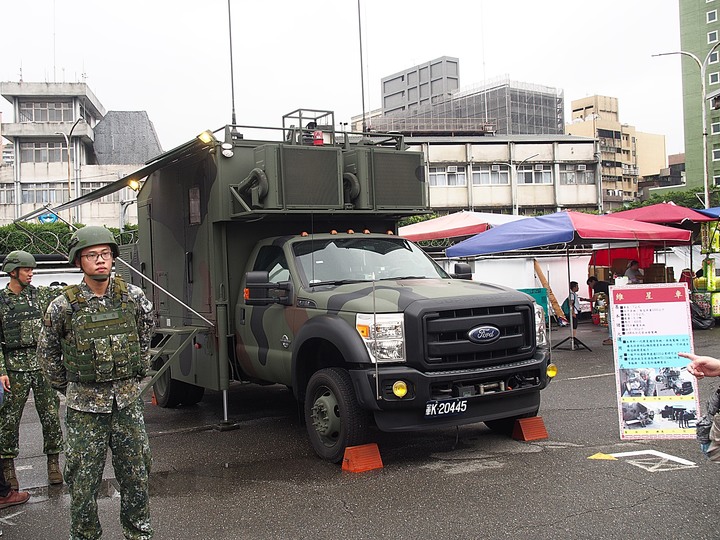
18, 259
92, 235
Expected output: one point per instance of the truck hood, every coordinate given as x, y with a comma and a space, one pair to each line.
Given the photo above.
392, 296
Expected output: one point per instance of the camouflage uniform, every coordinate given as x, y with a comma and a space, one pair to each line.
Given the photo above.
22, 367
101, 414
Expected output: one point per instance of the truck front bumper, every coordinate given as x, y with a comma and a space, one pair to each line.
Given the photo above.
488, 393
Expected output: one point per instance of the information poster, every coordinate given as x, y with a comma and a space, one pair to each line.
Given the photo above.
657, 397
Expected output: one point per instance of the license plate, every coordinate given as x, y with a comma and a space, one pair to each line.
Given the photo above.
446, 407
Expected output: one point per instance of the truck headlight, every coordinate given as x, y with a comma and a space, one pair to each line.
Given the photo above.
540, 327
383, 334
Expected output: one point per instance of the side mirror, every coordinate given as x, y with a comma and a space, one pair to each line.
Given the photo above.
462, 271
260, 291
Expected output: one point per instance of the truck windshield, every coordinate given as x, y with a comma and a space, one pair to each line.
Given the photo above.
339, 260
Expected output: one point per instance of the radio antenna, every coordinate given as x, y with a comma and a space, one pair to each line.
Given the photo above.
362, 77
232, 76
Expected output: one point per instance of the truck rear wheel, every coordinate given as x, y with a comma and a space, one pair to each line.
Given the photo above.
505, 426
170, 393
333, 416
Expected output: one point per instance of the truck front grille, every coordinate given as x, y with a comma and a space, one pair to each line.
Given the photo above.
447, 342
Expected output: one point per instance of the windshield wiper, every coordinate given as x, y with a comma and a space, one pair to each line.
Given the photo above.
336, 282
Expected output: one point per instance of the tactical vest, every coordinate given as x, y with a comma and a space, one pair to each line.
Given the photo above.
21, 321
106, 345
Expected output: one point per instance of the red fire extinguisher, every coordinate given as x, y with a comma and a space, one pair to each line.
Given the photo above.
318, 138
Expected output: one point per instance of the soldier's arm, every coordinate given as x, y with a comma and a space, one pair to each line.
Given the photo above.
145, 322
49, 350
3, 369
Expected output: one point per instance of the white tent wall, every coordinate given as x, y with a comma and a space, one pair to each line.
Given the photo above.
519, 272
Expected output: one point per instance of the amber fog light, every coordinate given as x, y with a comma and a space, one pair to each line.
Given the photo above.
400, 389
551, 370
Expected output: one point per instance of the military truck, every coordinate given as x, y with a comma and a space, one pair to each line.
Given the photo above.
275, 259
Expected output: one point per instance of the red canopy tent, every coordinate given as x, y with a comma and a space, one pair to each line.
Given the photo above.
464, 223
663, 213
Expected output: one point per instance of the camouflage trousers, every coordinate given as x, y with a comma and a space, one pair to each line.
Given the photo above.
88, 437
47, 404
713, 451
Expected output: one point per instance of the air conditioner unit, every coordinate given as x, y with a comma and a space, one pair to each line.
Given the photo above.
495, 168
538, 167
452, 168
581, 167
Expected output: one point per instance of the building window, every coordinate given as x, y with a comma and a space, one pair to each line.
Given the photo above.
714, 57
716, 180
711, 16
714, 78
7, 194
716, 154
115, 197
715, 128
571, 173
450, 175
712, 37
486, 175
44, 193
535, 174
43, 152
39, 111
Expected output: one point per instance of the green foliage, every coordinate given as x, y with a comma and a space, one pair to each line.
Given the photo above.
416, 219
49, 238
681, 198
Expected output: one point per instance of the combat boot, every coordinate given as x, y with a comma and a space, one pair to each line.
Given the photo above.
8, 467
54, 474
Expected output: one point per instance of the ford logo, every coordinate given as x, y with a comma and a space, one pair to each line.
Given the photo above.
484, 334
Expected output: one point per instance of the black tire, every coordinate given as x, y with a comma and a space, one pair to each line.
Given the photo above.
192, 394
167, 390
333, 416
505, 426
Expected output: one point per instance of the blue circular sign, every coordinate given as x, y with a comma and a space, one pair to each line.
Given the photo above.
47, 218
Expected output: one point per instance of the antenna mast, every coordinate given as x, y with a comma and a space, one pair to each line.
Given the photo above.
362, 78
232, 75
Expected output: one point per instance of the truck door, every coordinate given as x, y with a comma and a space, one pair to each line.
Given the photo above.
267, 331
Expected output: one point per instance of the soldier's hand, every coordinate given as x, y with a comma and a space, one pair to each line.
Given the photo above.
5, 380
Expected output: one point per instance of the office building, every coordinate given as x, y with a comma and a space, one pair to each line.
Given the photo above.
66, 145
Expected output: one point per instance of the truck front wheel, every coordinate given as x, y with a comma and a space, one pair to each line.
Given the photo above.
333, 417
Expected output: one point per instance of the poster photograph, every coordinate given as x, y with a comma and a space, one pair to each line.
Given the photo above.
657, 397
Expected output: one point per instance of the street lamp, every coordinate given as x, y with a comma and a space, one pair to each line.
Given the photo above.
703, 67
67, 145
515, 183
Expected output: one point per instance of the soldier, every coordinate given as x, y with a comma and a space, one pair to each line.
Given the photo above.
21, 308
94, 346
9, 496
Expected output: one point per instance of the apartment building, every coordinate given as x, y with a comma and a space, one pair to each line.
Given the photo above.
700, 36
64, 145
626, 155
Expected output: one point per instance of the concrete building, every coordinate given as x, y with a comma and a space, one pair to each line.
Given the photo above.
420, 86
673, 177
699, 33
65, 145
626, 154
520, 174
427, 100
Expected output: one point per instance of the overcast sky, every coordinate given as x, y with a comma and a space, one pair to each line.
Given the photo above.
171, 58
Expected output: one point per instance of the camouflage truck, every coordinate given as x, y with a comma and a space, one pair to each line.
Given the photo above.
276, 261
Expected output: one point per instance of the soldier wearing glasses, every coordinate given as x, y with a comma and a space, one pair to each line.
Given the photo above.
21, 309
94, 347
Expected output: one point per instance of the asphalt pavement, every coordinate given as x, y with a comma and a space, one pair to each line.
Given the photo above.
262, 480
